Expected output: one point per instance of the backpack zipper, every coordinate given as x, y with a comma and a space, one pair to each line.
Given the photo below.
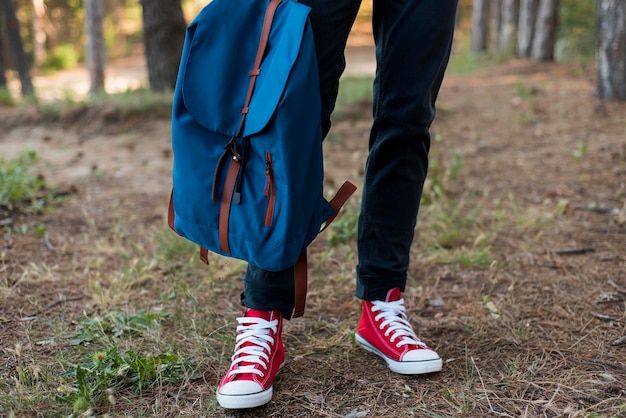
243, 158
269, 190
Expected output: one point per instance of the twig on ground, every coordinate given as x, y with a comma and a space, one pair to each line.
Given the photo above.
621, 340
617, 287
604, 317
604, 364
610, 297
46, 240
601, 210
586, 399
607, 231
61, 300
485, 391
582, 338
574, 251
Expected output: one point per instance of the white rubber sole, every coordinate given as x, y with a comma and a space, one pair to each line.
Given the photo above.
403, 367
251, 400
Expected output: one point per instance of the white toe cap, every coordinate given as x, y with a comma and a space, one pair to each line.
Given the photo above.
243, 387
420, 355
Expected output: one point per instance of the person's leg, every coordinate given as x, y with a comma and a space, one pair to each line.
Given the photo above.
413, 42
269, 296
331, 21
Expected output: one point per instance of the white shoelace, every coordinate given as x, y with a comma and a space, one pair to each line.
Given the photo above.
394, 316
253, 345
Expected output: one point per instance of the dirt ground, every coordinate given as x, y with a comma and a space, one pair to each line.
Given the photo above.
539, 332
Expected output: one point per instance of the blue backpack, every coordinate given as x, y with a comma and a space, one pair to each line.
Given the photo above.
246, 134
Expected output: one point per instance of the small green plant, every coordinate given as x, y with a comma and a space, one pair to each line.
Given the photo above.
470, 257
95, 383
27, 374
443, 171
344, 228
523, 92
174, 248
120, 284
20, 189
580, 151
116, 324
452, 234
527, 116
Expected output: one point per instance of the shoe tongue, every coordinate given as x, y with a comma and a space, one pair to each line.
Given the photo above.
254, 313
393, 295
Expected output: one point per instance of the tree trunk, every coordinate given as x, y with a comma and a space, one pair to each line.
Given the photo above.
611, 84
527, 16
496, 21
94, 16
3, 66
44, 32
508, 29
480, 25
164, 34
120, 39
39, 35
17, 47
545, 30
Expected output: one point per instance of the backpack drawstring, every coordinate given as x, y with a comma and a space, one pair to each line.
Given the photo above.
243, 159
229, 150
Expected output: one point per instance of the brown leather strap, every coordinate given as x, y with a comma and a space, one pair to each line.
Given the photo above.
234, 166
300, 273
204, 255
170, 211
227, 197
346, 190
300, 270
265, 35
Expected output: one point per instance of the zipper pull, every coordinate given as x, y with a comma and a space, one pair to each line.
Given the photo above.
268, 173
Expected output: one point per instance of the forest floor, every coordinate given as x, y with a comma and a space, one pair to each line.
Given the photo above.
518, 274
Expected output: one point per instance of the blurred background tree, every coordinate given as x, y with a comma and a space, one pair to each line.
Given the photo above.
54, 32
13, 35
164, 33
611, 82
95, 50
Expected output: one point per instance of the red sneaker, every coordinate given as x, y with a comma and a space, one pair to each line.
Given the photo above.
385, 331
259, 354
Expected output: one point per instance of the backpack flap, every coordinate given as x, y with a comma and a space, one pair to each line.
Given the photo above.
215, 71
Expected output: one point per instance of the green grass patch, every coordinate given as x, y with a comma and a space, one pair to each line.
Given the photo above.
115, 324
115, 107
464, 61
141, 101
344, 228
63, 57
6, 99
21, 190
353, 90
96, 383
109, 367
